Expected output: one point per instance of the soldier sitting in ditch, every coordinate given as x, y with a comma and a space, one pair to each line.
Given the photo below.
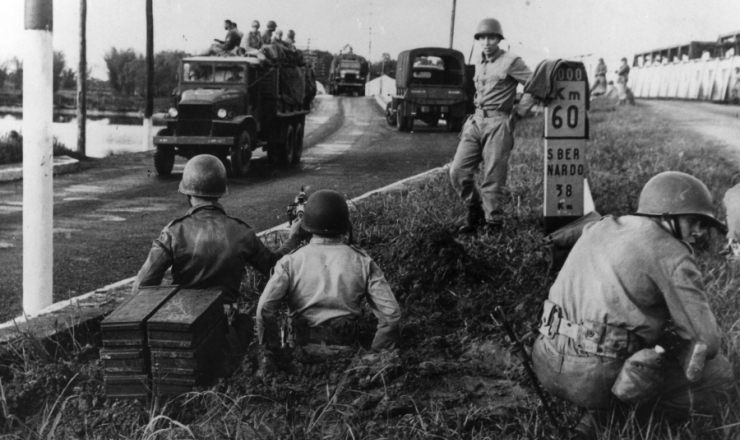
206, 248
324, 284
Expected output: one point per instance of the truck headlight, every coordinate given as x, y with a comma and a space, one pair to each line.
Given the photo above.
222, 113
172, 112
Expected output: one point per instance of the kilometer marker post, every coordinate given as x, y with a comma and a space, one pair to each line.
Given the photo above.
566, 132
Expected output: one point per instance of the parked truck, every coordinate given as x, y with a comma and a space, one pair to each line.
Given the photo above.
432, 84
230, 106
348, 74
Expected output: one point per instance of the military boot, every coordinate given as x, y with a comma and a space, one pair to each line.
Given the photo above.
473, 219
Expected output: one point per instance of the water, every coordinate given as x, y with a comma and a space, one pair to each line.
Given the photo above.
105, 134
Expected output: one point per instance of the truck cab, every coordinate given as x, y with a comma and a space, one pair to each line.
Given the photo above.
230, 106
431, 85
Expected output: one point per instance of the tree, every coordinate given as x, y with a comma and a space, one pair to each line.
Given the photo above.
166, 64
388, 67
3, 74
59, 64
119, 76
16, 76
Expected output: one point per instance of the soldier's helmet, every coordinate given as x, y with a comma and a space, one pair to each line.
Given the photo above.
204, 176
489, 26
326, 213
256, 24
271, 25
291, 33
674, 193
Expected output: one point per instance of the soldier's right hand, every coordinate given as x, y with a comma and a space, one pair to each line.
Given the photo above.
297, 233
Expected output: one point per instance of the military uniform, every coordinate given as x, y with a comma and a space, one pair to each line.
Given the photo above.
207, 248
623, 280
253, 41
488, 136
267, 37
326, 281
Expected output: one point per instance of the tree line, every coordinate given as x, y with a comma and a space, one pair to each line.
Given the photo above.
11, 73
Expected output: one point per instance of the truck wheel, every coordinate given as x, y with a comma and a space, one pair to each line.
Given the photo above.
241, 155
164, 156
286, 151
390, 115
298, 148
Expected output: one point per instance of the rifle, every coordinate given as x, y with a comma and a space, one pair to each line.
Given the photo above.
526, 361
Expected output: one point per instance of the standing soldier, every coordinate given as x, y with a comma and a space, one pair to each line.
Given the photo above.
324, 284
206, 248
599, 87
254, 40
624, 71
267, 36
290, 41
625, 278
488, 136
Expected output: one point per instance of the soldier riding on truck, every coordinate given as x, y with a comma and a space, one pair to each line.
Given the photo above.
229, 106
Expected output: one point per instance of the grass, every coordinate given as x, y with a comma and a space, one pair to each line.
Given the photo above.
11, 149
452, 376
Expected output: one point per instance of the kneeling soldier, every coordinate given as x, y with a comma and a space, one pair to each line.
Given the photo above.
625, 278
324, 284
206, 248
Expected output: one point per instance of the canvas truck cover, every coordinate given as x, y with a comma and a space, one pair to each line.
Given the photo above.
454, 60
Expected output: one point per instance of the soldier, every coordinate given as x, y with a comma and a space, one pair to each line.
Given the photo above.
488, 136
624, 71
229, 42
290, 41
324, 284
599, 87
278, 37
267, 36
253, 40
625, 278
206, 248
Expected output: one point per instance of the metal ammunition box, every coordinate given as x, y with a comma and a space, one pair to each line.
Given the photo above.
135, 386
174, 385
126, 326
186, 319
123, 360
190, 362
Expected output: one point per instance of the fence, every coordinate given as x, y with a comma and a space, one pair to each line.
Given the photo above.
699, 79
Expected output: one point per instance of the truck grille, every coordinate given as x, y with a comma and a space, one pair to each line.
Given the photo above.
194, 120
350, 77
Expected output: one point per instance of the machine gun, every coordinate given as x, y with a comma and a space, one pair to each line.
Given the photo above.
295, 209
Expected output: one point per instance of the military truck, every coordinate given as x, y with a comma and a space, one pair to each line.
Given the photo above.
348, 74
229, 107
431, 85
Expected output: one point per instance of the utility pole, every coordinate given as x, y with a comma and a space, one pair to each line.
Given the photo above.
38, 186
149, 108
82, 82
452, 24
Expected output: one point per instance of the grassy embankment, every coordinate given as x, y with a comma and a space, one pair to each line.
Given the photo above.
452, 376
11, 150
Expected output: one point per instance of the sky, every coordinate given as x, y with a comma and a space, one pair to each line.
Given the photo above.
534, 29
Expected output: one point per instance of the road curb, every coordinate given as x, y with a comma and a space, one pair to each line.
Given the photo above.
62, 165
91, 306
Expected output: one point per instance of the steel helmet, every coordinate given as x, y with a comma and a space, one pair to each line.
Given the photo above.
675, 193
271, 25
326, 213
291, 33
256, 24
204, 176
489, 26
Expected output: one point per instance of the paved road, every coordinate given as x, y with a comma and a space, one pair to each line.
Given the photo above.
716, 122
106, 217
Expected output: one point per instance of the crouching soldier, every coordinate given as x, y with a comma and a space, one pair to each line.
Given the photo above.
206, 248
625, 278
323, 284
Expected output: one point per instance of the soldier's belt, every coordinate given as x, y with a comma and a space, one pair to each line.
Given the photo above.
338, 331
592, 337
481, 113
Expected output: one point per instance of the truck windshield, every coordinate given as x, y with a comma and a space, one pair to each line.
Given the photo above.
216, 73
349, 64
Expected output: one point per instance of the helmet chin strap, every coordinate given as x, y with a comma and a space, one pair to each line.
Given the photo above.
673, 226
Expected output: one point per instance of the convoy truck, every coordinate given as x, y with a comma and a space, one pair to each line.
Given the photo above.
432, 84
230, 106
348, 74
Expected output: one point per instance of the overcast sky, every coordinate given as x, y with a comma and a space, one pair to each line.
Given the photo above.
534, 29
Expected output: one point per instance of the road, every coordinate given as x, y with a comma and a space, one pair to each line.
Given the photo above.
716, 122
106, 217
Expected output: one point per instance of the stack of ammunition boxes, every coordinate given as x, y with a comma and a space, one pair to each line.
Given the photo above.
125, 352
185, 338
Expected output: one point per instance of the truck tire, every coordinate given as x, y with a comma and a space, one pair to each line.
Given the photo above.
298, 148
390, 115
241, 155
286, 151
164, 156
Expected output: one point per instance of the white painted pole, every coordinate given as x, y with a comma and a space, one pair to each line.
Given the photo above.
38, 202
